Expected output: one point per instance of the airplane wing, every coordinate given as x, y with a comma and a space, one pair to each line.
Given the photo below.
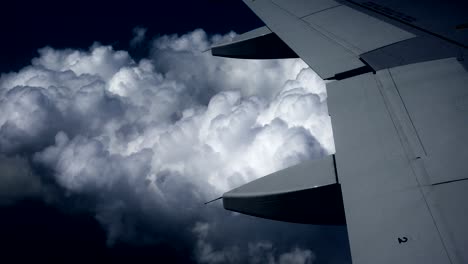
399, 109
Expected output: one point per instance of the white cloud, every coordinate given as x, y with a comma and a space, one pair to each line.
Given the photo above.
102, 61
153, 139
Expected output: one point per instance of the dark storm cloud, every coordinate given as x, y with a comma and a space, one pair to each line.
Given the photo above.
17, 180
151, 140
139, 35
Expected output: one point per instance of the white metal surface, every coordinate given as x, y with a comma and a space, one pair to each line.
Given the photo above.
301, 8
450, 210
387, 216
355, 30
431, 92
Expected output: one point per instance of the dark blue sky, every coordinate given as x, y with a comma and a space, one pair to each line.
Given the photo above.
27, 26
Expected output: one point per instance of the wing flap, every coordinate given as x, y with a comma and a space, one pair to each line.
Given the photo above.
434, 94
449, 208
387, 215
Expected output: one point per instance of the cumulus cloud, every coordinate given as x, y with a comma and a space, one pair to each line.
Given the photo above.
150, 140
